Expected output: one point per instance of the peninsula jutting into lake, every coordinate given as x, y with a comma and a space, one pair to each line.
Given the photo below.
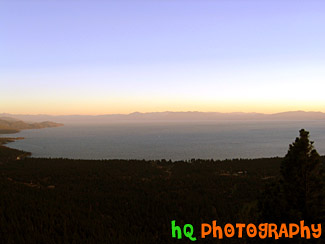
9, 125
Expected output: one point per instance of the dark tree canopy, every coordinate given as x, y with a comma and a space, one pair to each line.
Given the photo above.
301, 180
299, 193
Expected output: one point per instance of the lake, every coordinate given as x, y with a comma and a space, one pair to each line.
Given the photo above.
176, 141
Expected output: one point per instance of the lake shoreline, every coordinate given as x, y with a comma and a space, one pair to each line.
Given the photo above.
6, 140
156, 142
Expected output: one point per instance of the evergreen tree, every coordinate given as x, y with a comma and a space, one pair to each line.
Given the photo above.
299, 192
302, 181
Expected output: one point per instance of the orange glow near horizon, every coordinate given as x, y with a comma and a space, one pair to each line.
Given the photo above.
120, 106
92, 59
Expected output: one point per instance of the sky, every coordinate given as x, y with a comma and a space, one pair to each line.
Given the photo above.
104, 57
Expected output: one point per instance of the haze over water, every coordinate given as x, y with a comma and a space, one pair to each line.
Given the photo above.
176, 141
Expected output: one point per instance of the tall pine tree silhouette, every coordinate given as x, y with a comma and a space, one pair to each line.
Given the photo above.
299, 193
302, 181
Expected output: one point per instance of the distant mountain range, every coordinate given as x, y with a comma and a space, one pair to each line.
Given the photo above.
10, 125
165, 116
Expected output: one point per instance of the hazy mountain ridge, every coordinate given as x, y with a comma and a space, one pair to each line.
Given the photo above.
171, 116
12, 125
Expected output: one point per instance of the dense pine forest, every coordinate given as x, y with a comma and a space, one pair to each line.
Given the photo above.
47, 200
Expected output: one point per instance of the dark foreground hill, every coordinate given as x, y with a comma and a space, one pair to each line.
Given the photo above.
123, 201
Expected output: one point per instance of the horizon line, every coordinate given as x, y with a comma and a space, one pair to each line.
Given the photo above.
167, 111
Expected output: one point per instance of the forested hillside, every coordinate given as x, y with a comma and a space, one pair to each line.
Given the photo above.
119, 201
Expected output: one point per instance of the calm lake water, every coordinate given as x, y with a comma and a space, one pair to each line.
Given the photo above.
169, 140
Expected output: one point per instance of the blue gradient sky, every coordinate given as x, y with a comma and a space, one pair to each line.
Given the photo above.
97, 57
